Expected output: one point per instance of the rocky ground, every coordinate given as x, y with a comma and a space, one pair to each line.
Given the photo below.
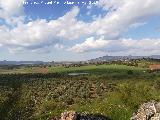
147, 111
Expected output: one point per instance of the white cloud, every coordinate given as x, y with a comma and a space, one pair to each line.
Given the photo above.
116, 46
111, 4
123, 14
41, 33
89, 44
136, 25
59, 46
10, 8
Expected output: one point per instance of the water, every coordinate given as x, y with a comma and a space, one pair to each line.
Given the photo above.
76, 74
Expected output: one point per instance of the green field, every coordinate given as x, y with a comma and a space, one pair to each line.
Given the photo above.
115, 91
95, 68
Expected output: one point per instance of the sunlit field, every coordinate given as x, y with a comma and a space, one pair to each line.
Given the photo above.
115, 91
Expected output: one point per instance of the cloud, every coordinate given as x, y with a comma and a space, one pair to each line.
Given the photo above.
12, 12
116, 46
10, 8
59, 46
111, 4
89, 45
122, 14
136, 25
34, 35
41, 33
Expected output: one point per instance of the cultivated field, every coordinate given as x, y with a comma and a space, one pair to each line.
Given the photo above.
115, 91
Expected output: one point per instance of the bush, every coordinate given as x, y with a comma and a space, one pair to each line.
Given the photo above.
129, 72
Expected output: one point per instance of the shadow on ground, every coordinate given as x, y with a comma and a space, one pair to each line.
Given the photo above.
92, 117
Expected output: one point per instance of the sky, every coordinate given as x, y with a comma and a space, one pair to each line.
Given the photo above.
55, 30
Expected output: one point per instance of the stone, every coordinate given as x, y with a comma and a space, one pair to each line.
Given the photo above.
69, 115
148, 111
156, 117
157, 105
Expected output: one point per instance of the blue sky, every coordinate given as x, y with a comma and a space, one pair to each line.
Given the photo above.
78, 31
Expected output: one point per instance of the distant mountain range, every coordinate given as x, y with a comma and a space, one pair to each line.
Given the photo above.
104, 58
5, 62
111, 58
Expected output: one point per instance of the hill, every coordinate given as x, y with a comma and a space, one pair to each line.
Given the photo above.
112, 58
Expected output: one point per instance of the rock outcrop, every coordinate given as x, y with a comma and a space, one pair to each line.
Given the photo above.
148, 111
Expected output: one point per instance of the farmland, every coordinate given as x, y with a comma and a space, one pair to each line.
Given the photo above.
115, 91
